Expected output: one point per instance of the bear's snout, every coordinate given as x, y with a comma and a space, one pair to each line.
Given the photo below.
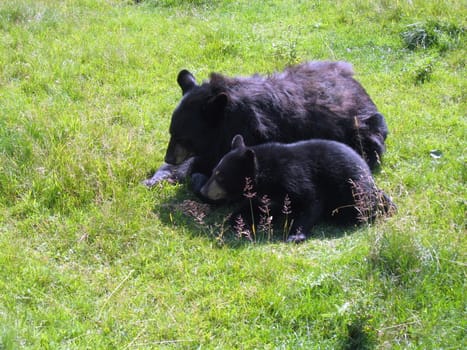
213, 191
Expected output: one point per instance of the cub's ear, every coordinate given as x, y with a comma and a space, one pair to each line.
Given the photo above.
250, 157
186, 80
237, 142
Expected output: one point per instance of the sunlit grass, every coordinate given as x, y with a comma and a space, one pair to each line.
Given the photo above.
92, 259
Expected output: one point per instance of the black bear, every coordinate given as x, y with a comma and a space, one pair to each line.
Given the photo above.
321, 179
311, 100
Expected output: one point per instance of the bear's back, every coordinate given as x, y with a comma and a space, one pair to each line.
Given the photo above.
318, 160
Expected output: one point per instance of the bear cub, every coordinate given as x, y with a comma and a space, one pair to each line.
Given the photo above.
323, 180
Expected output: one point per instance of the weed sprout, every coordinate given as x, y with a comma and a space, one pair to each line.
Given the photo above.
265, 221
250, 195
241, 229
287, 210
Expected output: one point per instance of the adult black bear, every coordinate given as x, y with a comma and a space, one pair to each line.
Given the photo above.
311, 100
322, 179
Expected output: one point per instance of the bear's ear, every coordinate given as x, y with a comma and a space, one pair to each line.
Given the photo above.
215, 107
237, 142
186, 80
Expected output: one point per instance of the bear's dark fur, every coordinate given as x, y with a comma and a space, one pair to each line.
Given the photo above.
323, 180
311, 100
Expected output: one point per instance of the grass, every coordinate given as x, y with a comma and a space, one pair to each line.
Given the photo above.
89, 258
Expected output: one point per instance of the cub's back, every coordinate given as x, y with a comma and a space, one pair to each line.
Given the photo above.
322, 160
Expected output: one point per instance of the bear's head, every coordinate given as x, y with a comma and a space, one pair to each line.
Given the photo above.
196, 121
229, 177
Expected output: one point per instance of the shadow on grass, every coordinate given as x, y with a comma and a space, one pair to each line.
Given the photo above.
183, 209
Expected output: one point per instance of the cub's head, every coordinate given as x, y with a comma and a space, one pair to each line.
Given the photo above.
195, 124
228, 178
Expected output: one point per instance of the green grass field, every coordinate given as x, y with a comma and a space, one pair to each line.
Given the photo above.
91, 259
